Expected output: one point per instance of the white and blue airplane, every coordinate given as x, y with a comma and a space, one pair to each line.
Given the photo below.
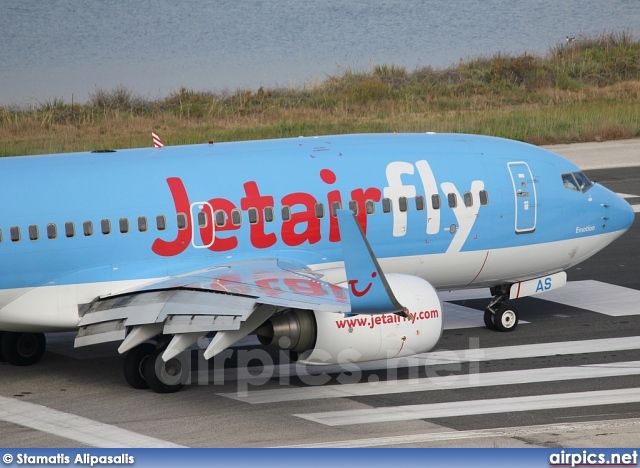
332, 247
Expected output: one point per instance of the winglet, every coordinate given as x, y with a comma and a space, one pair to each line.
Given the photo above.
157, 142
369, 291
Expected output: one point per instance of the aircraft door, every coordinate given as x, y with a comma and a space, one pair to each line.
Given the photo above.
524, 189
202, 225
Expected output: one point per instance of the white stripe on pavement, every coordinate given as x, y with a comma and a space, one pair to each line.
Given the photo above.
76, 428
474, 407
472, 380
503, 432
472, 354
595, 296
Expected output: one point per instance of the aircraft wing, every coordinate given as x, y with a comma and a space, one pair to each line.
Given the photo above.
236, 298
232, 299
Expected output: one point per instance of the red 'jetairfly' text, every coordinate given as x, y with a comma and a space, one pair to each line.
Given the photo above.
303, 226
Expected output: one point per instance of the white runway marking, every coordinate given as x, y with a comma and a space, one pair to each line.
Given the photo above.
604, 298
474, 407
503, 432
595, 296
72, 427
627, 195
451, 357
554, 374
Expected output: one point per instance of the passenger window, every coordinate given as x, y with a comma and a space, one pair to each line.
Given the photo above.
143, 225
105, 226
435, 202
403, 204
419, 203
69, 229
468, 199
181, 219
268, 214
286, 213
203, 220
353, 206
161, 223
335, 206
236, 217
386, 205
319, 210
87, 228
221, 218
484, 197
370, 206
33, 232
253, 215
452, 200
15, 233
124, 225
52, 231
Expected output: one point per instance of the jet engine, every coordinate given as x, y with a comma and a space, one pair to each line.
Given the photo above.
323, 338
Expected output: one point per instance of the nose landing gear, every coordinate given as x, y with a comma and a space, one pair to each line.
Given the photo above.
498, 315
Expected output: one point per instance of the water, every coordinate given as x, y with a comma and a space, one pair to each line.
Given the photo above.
69, 48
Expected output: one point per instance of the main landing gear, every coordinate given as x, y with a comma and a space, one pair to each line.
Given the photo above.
144, 368
498, 315
22, 349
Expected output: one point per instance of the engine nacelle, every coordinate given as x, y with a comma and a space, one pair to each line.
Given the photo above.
326, 338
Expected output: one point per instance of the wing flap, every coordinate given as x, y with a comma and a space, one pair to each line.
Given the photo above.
112, 330
200, 323
180, 311
220, 299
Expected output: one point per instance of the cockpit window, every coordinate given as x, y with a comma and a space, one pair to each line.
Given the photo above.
584, 183
576, 181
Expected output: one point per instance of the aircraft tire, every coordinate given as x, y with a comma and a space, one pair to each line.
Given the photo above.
488, 320
1, 356
134, 365
164, 377
505, 319
22, 349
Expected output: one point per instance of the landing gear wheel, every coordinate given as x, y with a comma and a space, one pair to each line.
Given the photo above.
1, 356
134, 365
505, 319
164, 377
22, 349
488, 320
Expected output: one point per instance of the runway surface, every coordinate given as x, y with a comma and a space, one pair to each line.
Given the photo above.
569, 376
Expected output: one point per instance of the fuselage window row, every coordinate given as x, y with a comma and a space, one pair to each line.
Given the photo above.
87, 228
220, 217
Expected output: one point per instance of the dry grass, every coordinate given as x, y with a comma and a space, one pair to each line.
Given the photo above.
586, 90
